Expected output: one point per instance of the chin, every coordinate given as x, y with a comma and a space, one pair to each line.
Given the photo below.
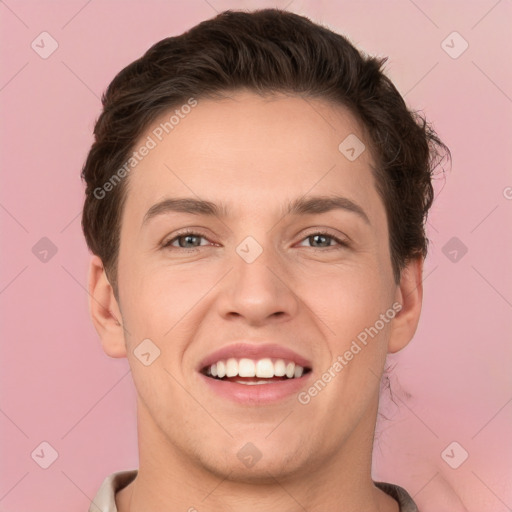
255, 464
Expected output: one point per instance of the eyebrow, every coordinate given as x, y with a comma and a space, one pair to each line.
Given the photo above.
300, 206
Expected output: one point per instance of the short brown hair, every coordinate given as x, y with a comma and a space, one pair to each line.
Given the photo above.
265, 51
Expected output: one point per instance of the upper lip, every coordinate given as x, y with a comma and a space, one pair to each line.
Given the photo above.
254, 351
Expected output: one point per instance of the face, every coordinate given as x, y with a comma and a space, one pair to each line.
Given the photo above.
253, 281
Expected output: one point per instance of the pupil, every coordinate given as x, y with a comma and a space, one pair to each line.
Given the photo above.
187, 238
320, 236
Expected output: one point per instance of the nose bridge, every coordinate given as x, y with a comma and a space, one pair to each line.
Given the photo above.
258, 286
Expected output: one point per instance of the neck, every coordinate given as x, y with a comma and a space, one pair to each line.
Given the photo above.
169, 479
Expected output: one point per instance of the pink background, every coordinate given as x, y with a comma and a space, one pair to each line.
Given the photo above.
452, 383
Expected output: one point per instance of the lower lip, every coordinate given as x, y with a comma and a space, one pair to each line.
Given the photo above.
259, 393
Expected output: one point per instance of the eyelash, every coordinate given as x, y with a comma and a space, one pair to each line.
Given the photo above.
167, 245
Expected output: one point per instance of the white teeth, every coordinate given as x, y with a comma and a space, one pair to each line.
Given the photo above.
265, 368
221, 369
290, 370
279, 368
231, 367
246, 368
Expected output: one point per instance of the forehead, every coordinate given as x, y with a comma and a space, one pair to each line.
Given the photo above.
248, 150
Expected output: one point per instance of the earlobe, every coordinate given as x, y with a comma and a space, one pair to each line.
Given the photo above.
104, 310
410, 295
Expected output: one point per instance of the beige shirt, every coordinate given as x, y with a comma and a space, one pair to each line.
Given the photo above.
104, 501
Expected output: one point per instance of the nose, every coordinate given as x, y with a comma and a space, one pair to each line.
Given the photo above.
260, 291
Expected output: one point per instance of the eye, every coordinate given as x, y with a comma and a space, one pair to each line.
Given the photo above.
185, 239
191, 240
323, 238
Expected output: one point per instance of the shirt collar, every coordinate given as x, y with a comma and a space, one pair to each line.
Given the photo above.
105, 501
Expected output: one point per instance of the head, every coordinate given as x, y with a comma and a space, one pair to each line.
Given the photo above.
255, 112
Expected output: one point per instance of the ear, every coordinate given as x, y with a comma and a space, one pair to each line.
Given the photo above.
409, 294
104, 310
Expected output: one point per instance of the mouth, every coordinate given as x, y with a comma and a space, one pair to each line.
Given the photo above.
255, 372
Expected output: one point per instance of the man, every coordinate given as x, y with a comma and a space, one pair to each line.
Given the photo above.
255, 203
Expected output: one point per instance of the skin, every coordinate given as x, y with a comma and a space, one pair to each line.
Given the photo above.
254, 154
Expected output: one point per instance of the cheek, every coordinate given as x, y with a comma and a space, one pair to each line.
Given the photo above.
349, 307
348, 296
160, 299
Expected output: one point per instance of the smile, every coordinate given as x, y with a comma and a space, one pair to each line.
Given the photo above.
254, 372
